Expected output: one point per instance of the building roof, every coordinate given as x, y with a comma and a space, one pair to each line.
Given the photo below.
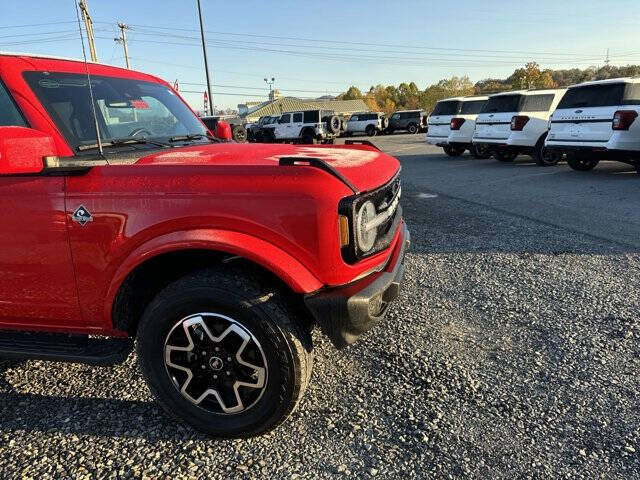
291, 104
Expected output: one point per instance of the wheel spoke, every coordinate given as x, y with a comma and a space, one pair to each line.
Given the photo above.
215, 366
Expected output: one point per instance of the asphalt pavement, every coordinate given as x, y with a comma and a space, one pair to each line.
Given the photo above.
512, 353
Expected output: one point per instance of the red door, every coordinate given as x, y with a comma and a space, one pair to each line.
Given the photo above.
37, 284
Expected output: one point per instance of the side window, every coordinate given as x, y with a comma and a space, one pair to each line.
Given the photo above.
354, 118
286, 118
537, 103
9, 114
311, 116
632, 94
297, 118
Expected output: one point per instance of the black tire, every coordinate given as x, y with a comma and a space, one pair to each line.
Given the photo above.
412, 128
453, 151
278, 353
371, 131
239, 133
269, 137
504, 155
307, 137
333, 124
581, 163
481, 152
544, 156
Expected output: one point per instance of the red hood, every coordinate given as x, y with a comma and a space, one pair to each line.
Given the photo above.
365, 167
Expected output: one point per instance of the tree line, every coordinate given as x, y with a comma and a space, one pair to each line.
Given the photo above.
408, 96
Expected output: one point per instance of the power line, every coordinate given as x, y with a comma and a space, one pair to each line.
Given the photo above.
260, 88
372, 59
5, 27
377, 51
243, 74
342, 42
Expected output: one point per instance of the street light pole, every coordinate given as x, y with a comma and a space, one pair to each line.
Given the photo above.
270, 83
206, 63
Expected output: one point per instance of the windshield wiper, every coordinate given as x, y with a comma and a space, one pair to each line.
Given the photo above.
189, 137
120, 142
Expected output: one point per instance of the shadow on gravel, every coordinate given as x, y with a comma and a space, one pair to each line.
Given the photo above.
91, 416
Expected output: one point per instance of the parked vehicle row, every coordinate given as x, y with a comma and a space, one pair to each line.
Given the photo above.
324, 126
585, 123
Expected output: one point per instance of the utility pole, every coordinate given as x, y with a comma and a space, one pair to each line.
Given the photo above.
89, 26
606, 59
123, 39
206, 63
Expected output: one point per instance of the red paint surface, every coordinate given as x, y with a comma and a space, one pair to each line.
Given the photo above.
58, 275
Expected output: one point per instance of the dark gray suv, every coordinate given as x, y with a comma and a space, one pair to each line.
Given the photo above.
412, 121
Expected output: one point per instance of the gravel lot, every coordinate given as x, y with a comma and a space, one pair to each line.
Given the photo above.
513, 353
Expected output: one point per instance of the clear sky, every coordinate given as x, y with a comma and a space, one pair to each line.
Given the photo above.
322, 47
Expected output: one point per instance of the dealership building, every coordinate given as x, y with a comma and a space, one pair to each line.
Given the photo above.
252, 112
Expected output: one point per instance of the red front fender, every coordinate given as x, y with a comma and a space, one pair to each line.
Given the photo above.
269, 256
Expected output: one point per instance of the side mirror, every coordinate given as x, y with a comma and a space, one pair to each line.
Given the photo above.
223, 131
22, 150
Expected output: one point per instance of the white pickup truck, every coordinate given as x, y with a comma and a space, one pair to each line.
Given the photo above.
517, 122
596, 121
452, 123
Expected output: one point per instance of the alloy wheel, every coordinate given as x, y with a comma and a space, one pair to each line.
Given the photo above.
216, 363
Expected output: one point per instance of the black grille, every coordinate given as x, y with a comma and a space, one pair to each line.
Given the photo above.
381, 198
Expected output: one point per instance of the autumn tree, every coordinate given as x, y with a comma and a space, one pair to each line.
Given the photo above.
353, 93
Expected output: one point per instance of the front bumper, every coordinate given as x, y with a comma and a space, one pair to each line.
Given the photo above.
344, 313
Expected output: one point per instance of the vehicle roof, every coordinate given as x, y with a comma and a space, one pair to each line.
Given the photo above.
609, 80
467, 98
366, 113
405, 111
532, 91
36, 61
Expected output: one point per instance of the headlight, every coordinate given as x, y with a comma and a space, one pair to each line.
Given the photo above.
366, 238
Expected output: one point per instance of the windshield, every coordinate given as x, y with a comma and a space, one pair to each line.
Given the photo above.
502, 104
451, 107
124, 107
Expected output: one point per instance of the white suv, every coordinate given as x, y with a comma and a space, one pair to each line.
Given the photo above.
370, 123
517, 122
312, 126
596, 121
452, 123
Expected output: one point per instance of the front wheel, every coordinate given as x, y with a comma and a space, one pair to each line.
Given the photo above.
223, 353
504, 155
453, 151
582, 164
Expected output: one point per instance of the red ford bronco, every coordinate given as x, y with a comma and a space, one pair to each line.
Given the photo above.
217, 258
